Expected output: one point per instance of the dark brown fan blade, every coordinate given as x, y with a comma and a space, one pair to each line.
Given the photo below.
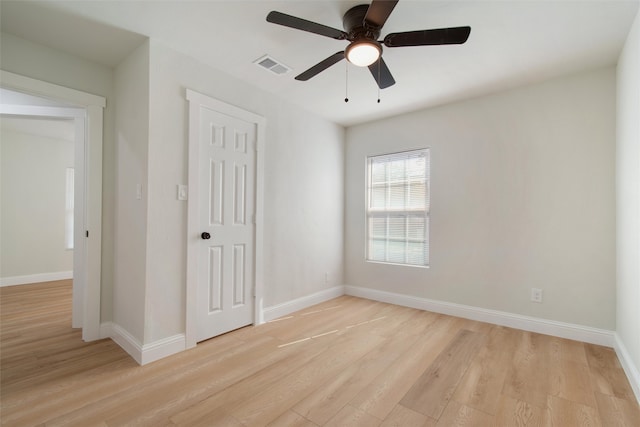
381, 74
455, 35
379, 12
304, 25
321, 66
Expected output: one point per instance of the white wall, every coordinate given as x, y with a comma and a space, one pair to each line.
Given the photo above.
303, 212
32, 201
131, 171
522, 196
33, 60
628, 200
303, 184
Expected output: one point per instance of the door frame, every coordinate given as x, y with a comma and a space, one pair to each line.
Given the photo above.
88, 158
196, 101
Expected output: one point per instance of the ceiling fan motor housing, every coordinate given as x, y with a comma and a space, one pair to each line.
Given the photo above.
353, 23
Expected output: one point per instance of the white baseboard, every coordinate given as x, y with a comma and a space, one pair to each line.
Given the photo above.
146, 353
288, 307
163, 348
633, 374
127, 341
36, 278
532, 324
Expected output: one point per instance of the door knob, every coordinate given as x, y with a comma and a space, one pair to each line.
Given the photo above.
205, 236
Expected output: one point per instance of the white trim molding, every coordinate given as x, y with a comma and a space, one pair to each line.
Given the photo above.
46, 89
517, 321
162, 348
125, 340
633, 374
301, 303
35, 278
142, 353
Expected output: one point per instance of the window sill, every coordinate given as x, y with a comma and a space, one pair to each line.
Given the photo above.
397, 264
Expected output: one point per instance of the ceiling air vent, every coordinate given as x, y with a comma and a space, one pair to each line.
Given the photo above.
269, 63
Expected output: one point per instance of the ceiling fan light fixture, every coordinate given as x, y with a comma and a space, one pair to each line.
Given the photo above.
363, 52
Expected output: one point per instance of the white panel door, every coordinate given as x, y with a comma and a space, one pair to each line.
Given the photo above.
226, 251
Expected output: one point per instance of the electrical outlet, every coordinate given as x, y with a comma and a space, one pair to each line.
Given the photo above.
536, 295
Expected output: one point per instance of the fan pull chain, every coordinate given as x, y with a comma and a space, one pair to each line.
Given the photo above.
379, 59
346, 81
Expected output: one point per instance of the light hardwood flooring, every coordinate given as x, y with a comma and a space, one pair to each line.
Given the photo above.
345, 362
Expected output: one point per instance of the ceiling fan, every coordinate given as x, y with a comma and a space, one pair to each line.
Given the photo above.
362, 26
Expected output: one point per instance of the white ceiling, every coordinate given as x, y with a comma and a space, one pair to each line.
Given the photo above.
511, 43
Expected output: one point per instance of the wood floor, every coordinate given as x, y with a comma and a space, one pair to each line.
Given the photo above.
346, 362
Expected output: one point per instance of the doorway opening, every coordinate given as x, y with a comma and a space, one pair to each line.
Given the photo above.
33, 103
39, 163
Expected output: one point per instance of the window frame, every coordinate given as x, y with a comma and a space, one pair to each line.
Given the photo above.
405, 212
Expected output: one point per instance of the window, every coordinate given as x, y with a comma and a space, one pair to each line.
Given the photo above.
398, 208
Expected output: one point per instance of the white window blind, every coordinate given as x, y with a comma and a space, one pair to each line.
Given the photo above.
398, 208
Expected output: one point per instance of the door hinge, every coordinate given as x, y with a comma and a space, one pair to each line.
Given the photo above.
87, 233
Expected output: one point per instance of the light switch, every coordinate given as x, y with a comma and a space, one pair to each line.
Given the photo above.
183, 190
